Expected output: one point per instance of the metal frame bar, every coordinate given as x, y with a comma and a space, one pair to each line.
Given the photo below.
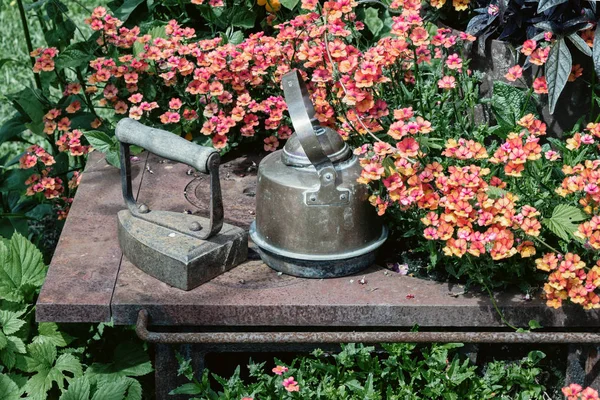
356, 337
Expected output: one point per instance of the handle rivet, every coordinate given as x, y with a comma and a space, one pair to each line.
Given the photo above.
143, 208
343, 197
313, 198
328, 177
195, 226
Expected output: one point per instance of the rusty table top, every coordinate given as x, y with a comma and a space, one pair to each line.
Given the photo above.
89, 280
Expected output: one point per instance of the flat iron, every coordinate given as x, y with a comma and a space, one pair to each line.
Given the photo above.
182, 250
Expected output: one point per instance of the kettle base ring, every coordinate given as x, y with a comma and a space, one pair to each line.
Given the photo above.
317, 268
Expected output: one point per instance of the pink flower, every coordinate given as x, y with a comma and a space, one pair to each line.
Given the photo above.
280, 370
540, 86
309, 4
454, 61
447, 82
271, 143
136, 98
169, 118
528, 47
514, 73
551, 155
290, 384
493, 9
27, 161
175, 104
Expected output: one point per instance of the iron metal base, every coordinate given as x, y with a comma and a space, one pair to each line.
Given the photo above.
317, 269
180, 260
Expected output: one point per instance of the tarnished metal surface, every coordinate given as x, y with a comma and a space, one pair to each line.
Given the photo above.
82, 274
296, 266
180, 260
322, 213
177, 248
166, 144
356, 336
385, 299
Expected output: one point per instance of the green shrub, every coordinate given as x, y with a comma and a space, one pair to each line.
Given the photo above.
402, 371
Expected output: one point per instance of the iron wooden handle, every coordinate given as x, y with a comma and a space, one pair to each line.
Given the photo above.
165, 144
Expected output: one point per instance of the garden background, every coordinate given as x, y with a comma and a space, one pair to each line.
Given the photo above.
469, 172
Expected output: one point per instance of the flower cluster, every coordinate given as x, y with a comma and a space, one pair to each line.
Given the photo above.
458, 5
44, 179
576, 392
44, 59
211, 89
569, 279
537, 52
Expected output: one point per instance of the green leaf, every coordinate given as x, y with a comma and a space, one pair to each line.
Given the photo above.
8, 389
508, 103
100, 141
558, 68
495, 192
79, 389
12, 128
3, 61
158, 32
562, 221
48, 332
10, 321
29, 101
22, 269
290, 4
130, 360
547, 4
533, 324
73, 56
242, 18
372, 20
8, 355
112, 157
127, 8
111, 390
596, 52
134, 391
236, 37
188, 388
138, 47
580, 44
41, 360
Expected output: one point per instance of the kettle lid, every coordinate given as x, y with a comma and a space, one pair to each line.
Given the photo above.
332, 143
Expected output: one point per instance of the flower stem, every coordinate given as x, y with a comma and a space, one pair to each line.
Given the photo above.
497, 309
36, 76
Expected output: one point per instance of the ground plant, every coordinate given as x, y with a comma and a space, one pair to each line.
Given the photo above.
47, 361
400, 371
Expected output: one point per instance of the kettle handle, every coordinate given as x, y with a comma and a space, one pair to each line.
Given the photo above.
170, 146
307, 126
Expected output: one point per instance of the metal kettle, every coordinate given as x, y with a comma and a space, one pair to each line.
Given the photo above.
313, 218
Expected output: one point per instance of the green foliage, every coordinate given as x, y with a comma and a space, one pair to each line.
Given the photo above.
22, 269
509, 104
563, 221
106, 144
372, 21
47, 367
558, 68
401, 371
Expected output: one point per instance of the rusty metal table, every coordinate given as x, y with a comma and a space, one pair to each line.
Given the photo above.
89, 281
